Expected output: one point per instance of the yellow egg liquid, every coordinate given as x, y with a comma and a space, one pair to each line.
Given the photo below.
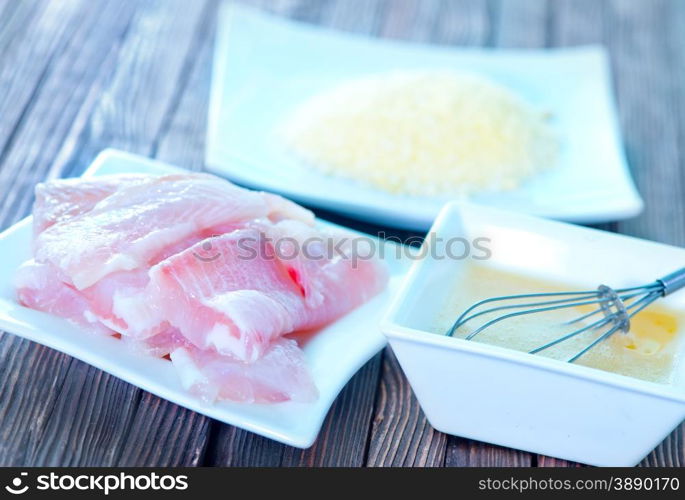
648, 351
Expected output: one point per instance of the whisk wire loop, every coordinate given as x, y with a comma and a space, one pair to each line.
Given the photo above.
617, 307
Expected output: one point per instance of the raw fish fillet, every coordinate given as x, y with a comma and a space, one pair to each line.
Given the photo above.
39, 287
62, 199
213, 299
280, 375
192, 267
334, 269
126, 229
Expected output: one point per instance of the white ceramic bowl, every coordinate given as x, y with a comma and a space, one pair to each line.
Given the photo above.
520, 400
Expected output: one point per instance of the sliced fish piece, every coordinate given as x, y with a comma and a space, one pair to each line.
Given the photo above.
128, 228
192, 267
39, 287
61, 199
235, 294
280, 375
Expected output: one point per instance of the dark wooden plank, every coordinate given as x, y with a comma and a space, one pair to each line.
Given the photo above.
143, 92
182, 140
414, 441
29, 400
575, 22
401, 435
463, 22
130, 110
645, 41
468, 453
161, 433
405, 19
31, 34
344, 437
358, 16
16, 20
27, 395
65, 84
134, 107
670, 453
519, 24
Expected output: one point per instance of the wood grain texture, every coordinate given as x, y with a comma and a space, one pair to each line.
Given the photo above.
520, 24
31, 36
98, 431
77, 76
55, 102
32, 377
576, 23
344, 436
670, 453
134, 107
63, 90
401, 436
182, 140
651, 96
133, 116
468, 453
160, 432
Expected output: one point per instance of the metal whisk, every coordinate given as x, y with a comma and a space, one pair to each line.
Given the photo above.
616, 307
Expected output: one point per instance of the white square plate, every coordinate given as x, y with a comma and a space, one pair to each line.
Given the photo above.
333, 355
520, 400
265, 66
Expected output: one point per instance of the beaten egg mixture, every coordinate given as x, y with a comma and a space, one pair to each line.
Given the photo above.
648, 351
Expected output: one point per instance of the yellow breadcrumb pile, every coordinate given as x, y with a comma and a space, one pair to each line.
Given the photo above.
423, 133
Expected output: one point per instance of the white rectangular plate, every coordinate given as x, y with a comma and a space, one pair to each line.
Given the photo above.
264, 67
334, 354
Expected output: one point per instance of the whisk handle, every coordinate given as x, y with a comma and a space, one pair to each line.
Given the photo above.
672, 282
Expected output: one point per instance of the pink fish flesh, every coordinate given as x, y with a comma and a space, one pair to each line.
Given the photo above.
193, 267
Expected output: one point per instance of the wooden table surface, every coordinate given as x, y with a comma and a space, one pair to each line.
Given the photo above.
77, 76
